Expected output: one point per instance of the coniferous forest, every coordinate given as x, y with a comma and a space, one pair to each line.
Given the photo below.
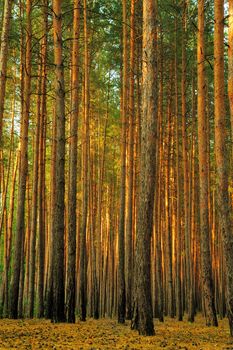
116, 174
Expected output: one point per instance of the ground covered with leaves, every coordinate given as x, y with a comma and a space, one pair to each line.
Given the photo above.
106, 334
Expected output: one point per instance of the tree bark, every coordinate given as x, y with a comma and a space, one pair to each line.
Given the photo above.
143, 313
121, 232
129, 223
207, 282
58, 229
23, 168
72, 190
224, 211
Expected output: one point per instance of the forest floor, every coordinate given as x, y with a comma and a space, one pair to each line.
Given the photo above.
106, 334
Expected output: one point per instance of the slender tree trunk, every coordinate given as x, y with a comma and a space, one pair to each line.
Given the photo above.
159, 287
121, 233
72, 191
22, 170
129, 223
41, 175
9, 235
83, 253
49, 288
224, 216
179, 309
185, 152
58, 229
32, 253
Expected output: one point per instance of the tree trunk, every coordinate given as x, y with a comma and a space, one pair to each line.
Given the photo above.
42, 157
207, 282
83, 253
72, 190
58, 229
129, 223
32, 253
224, 211
143, 313
121, 233
23, 168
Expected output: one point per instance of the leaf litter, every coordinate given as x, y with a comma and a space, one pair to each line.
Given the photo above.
106, 334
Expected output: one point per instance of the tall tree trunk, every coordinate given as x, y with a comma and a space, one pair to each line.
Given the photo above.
72, 190
129, 223
9, 236
143, 313
58, 229
32, 253
83, 253
42, 157
207, 282
121, 233
224, 216
23, 168
185, 152
179, 308
49, 289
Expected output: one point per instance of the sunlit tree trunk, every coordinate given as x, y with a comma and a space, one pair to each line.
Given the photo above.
121, 233
159, 287
85, 172
129, 223
49, 282
179, 308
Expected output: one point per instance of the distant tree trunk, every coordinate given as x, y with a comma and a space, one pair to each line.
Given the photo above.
9, 236
83, 253
22, 170
72, 190
143, 313
179, 308
3, 57
4, 222
49, 289
159, 286
58, 229
168, 238
224, 212
32, 249
207, 282
41, 175
121, 233
185, 152
129, 223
